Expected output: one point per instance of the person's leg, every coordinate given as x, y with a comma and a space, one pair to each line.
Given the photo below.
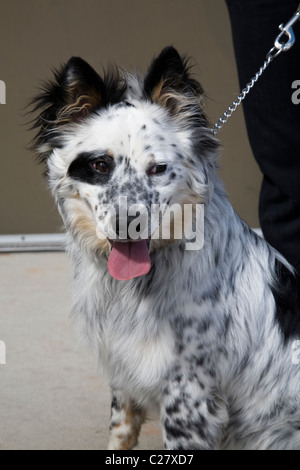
273, 121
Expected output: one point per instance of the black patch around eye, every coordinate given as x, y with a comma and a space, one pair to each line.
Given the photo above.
82, 169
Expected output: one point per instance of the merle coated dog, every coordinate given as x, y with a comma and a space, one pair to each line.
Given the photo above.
206, 336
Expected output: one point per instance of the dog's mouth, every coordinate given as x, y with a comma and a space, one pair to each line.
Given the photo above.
129, 259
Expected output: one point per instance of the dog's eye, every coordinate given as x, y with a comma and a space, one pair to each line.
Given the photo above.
158, 169
101, 166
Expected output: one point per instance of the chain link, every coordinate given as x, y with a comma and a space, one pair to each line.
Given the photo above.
238, 101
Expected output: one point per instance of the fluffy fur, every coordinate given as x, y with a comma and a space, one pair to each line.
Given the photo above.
206, 336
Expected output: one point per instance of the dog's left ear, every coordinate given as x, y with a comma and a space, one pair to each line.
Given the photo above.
168, 78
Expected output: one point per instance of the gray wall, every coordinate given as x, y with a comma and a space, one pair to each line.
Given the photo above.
36, 35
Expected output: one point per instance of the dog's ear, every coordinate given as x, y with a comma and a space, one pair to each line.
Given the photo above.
76, 91
80, 90
168, 77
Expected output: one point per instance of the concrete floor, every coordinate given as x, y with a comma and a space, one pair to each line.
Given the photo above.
51, 396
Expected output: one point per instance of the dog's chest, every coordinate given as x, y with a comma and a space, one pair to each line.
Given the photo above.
138, 357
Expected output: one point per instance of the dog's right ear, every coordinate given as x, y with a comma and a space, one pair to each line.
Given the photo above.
75, 93
78, 91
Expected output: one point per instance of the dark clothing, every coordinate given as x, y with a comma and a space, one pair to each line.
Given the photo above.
273, 121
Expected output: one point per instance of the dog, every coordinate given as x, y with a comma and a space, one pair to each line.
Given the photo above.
205, 336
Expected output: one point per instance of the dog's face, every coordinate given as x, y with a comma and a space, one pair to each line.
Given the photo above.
120, 150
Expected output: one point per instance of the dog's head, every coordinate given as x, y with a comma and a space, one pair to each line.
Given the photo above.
121, 150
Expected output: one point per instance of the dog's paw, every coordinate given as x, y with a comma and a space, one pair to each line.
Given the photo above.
121, 441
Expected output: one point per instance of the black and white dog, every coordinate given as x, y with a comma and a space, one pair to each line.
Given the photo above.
208, 336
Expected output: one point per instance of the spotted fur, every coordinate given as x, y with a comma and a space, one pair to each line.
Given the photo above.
206, 336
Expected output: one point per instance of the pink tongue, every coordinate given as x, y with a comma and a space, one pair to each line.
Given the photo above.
128, 260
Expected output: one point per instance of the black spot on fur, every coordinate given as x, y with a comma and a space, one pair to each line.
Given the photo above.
200, 361
217, 257
115, 404
202, 421
286, 292
177, 432
212, 295
227, 324
211, 407
174, 408
126, 187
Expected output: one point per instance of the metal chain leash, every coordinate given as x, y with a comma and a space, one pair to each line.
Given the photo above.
279, 46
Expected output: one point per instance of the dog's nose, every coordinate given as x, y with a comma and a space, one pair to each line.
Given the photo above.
122, 225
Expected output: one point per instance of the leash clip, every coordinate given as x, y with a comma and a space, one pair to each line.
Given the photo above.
287, 30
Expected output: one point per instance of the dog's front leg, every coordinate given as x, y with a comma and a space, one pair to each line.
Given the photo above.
125, 423
193, 415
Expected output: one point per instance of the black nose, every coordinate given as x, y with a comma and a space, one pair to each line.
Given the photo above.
122, 226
